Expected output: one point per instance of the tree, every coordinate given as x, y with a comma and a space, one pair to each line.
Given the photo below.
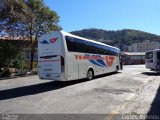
11, 13
124, 37
19, 61
43, 21
8, 53
30, 18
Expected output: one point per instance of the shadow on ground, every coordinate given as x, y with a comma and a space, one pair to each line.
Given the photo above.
107, 74
151, 73
155, 106
40, 88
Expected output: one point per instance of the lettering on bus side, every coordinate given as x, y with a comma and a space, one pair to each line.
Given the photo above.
102, 61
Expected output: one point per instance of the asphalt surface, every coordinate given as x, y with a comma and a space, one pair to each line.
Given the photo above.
133, 90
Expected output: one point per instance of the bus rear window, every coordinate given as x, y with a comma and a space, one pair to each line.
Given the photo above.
48, 57
149, 55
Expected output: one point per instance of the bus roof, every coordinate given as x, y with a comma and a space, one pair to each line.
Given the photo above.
69, 34
153, 50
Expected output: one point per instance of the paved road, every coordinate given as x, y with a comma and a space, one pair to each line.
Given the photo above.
133, 90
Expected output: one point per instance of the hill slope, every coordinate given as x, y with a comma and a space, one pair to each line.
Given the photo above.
126, 36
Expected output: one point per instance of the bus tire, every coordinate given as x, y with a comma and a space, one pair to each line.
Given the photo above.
117, 68
90, 74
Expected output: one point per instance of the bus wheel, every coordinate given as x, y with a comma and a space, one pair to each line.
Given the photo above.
117, 68
90, 74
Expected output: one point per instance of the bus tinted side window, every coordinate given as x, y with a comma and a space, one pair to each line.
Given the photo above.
78, 45
158, 55
149, 55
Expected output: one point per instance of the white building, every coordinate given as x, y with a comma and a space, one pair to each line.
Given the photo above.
144, 46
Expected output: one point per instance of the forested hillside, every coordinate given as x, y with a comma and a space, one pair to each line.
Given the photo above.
126, 36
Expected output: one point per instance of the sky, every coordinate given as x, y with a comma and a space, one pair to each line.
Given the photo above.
141, 15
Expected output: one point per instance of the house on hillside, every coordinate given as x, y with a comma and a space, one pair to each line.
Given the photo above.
132, 58
144, 46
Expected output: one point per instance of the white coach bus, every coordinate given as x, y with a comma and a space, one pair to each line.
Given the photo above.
152, 60
63, 56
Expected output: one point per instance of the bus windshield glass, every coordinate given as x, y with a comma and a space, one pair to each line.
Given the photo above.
149, 55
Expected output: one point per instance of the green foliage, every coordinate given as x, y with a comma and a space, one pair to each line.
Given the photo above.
19, 61
8, 52
126, 36
27, 17
12, 12
6, 73
30, 18
12, 56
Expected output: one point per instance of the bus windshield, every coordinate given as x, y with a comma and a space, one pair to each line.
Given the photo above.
149, 55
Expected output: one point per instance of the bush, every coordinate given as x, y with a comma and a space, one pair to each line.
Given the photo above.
19, 61
6, 73
34, 72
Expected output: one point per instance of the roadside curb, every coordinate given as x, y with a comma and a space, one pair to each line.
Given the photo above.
13, 77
